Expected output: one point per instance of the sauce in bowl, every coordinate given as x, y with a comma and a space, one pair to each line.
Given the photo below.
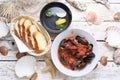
75, 52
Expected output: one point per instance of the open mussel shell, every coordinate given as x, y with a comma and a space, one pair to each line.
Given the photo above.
40, 29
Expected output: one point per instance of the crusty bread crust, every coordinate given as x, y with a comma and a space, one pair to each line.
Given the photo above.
16, 29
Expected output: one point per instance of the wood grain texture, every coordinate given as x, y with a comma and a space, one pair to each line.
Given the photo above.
104, 50
107, 14
100, 73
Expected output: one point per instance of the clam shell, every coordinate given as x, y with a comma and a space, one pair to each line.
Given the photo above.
25, 66
3, 19
117, 16
91, 17
80, 5
42, 30
116, 56
9, 10
4, 30
113, 36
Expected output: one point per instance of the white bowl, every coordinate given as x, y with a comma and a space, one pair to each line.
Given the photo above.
54, 52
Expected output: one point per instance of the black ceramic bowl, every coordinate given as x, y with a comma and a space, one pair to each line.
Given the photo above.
49, 22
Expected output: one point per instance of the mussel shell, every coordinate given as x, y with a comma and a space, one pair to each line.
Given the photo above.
89, 57
91, 45
71, 41
62, 43
61, 51
80, 40
63, 61
82, 65
91, 54
74, 66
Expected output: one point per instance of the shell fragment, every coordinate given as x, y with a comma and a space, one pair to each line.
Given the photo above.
25, 66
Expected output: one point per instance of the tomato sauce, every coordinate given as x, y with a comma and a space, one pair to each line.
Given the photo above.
75, 52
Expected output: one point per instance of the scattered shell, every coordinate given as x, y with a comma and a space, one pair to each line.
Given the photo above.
116, 56
95, 66
103, 2
19, 55
49, 67
103, 60
4, 30
34, 76
77, 4
113, 36
32, 6
117, 16
25, 66
3, 19
3, 50
91, 17
9, 10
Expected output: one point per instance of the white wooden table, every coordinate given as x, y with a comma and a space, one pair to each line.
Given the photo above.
109, 72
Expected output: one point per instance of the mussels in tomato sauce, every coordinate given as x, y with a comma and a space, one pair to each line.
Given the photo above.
75, 52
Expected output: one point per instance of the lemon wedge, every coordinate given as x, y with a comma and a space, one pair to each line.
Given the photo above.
61, 14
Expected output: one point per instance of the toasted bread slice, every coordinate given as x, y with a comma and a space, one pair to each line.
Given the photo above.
27, 23
40, 42
16, 29
31, 29
21, 24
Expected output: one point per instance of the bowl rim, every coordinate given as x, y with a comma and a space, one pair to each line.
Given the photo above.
58, 64
59, 3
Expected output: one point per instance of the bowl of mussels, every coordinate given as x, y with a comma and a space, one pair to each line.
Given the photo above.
74, 52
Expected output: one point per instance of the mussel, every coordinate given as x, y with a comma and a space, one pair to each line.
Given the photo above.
90, 47
64, 61
80, 40
82, 65
74, 66
71, 41
61, 51
89, 57
62, 43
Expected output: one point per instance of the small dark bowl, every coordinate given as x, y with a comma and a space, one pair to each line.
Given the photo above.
49, 22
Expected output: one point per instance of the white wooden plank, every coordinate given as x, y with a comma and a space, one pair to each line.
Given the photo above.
10, 45
92, 1
89, 1
97, 31
11, 56
104, 50
101, 11
107, 15
8, 37
79, 16
110, 1
109, 72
